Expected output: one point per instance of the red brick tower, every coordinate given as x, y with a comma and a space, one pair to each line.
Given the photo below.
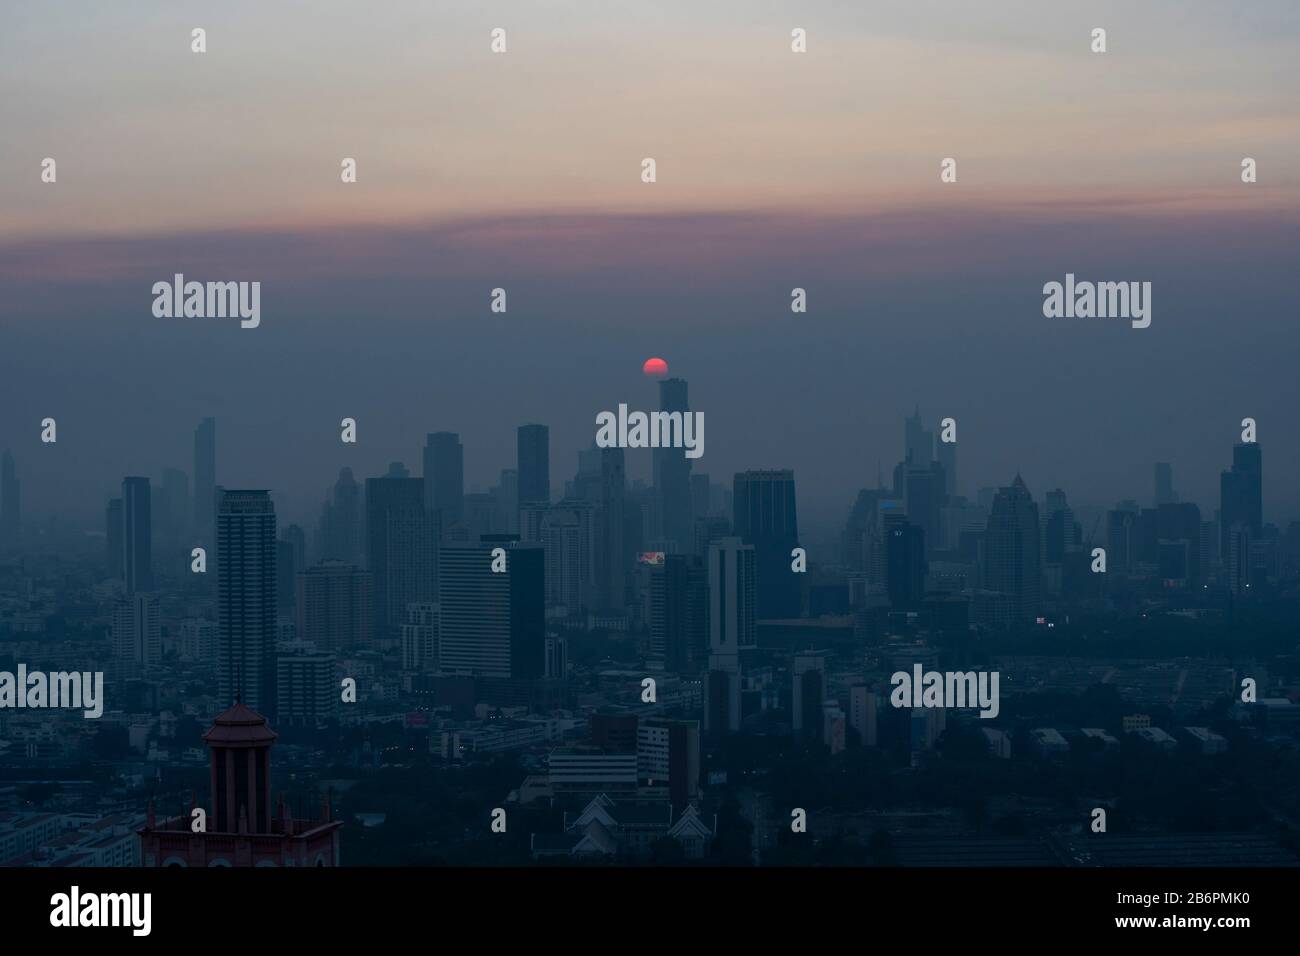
242, 829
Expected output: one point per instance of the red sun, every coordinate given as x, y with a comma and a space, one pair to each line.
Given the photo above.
655, 368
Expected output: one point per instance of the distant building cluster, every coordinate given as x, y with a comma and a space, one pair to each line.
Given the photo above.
618, 641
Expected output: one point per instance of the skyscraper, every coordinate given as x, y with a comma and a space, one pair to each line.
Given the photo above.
420, 637
205, 477
10, 513
924, 497
533, 448
339, 535
401, 547
1178, 542
733, 624
1237, 561
1012, 561
568, 532
334, 603
904, 564
491, 623
765, 518
290, 559
137, 634
246, 598
556, 658
672, 472
679, 591
137, 535
947, 458
1122, 538
307, 689
1061, 533
1164, 494
918, 442
1241, 495
444, 476
611, 569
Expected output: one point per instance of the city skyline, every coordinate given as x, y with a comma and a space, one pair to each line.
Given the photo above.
355, 504
305, 508
376, 294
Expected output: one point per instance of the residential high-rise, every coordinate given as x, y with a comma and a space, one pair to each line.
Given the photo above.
113, 530
10, 511
1012, 561
420, 637
733, 624
137, 634
198, 640
401, 545
764, 504
444, 476
679, 592
335, 611
568, 533
672, 471
668, 752
556, 658
307, 689
491, 623
137, 535
530, 519
1238, 562
246, 628
1241, 495
205, 477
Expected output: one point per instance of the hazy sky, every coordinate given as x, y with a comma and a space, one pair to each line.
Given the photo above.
150, 136
775, 170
